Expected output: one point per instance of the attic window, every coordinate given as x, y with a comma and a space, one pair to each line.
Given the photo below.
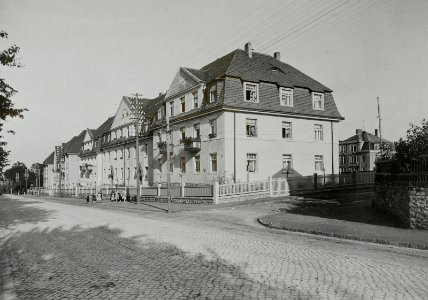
275, 69
318, 101
251, 92
213, 94
124, 114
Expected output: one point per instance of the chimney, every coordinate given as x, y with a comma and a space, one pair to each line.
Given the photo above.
375, 132
277, 55
249, 49
359, 131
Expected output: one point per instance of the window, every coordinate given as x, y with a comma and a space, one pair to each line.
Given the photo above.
251, 162
286, 130
251, 127
343, 149
196, 131
318, 101
286, 96
251, 92
318, 132
128, 151
195, 100
122, 175
354, 159
128, 174
183, 133
183, 104
287, 165
182, 164
213, 159
171, 108
343, 160
213, 94
319, 163
124, 114
197, 163
160, 113
363, 158
213, 128
353, 148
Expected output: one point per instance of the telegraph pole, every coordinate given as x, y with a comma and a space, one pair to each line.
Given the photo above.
26, 175
138, 116
168, 159
380, 128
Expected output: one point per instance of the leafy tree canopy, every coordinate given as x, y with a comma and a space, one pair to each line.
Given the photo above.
8, 58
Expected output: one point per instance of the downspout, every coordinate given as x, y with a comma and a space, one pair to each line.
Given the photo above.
234, 147
332, 149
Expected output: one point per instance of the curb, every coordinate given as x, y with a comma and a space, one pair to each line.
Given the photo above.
347, 236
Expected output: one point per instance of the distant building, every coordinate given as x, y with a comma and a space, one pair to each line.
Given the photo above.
49, 174
359, 152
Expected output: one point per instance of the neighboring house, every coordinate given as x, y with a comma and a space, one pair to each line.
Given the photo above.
118, 145
246, 116
91, 174
49, 174
359, 152
72, 160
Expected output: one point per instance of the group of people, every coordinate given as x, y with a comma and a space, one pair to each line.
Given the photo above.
114, 196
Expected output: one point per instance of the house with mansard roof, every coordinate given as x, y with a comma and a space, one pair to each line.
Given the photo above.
246, 116
359, 152
91, 157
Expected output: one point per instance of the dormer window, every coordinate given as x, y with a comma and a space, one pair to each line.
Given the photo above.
251, 92
124, 114
286, 97
183, 104
213, 94
195, 100
171, 108
318, 101
160, 113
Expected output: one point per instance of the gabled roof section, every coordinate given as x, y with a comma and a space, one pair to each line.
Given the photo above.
50, 159
183, 80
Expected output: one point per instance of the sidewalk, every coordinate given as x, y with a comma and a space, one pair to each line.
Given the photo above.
410, 238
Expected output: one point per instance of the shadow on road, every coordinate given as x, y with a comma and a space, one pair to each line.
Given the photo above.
99, 263
14, 212
355, 207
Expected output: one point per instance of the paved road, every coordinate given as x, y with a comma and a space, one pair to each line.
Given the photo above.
51, 250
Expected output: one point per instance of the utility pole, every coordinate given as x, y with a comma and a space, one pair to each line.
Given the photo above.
138, 116
26, 175
380, 128
168, 160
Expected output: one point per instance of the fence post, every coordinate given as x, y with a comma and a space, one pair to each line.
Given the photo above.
316, 181
182, 189
216, 188
270, 186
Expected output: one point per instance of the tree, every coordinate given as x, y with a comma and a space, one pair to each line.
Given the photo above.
19, 184
411, 148
8, 58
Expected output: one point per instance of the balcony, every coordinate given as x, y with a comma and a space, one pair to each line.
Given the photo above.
191, 144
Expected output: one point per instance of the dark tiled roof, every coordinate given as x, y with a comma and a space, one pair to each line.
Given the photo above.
50, 159
104, 127
150, 106
76, 146
366, 137
260, 67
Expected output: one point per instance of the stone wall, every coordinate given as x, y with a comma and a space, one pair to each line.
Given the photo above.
399, 198
418, 208
393, 199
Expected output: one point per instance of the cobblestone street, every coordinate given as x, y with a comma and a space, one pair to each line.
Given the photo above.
51, 250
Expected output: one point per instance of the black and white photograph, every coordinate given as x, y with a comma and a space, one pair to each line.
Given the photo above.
213, 149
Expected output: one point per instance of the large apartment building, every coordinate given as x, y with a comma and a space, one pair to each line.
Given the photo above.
243, 117
246, 116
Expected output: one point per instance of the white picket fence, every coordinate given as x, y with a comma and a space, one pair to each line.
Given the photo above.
235, 192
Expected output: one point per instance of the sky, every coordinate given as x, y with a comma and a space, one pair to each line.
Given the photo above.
80, 57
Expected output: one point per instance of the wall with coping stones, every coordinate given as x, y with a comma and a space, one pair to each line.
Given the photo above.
408, 204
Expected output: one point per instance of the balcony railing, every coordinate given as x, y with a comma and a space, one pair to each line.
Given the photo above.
191, 144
